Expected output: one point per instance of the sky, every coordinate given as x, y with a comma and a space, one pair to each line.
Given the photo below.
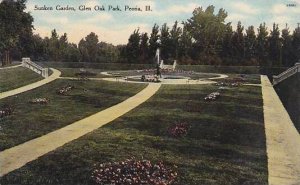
116, 26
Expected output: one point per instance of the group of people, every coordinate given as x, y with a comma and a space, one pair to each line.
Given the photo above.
134, 172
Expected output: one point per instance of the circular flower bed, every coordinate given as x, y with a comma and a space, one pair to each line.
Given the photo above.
6, 111
133, 172
39, 101
179, 129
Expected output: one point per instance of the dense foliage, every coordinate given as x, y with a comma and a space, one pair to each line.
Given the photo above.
205, 38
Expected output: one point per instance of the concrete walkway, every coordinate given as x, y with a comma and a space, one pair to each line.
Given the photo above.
16, 157
11, 67
25, 88
283, 140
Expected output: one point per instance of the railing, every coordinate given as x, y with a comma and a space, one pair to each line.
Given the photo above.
286, 74
26, 62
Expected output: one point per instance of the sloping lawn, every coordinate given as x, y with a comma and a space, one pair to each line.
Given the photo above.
29, 120
225, 142
17, 77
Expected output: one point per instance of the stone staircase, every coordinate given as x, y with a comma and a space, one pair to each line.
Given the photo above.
26, 62
286, 74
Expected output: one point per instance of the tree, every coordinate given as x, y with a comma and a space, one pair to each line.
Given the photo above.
238, 43
133, 46
185, 43
227, 51
275, 46
296, 45
250, 43
165, 42
13, 22
53, 46
175, 34
144, 47
287, 48
154, 41
262, 44
88, 48
207, 29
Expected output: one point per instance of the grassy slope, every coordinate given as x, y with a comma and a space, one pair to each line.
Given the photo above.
17, 77
32, 121
226, 143
288, 91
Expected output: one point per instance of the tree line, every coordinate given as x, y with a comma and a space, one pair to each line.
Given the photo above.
205, 38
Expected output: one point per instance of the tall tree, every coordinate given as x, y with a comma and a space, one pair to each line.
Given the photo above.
207, 29
154, 41
165, 42
238, 43
296, 44
175, 34
13, 22
287, 48
133, 46
144, 47
262, 44
250, 43
275, 49
185, 43
89, 48
227, 51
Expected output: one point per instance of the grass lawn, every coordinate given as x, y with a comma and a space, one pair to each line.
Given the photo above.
17, 77
225, 143
29, 121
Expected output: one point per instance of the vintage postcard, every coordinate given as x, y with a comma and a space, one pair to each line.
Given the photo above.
149, 92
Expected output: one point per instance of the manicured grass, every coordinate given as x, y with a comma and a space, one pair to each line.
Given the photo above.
17, 77
29, 121
225, 144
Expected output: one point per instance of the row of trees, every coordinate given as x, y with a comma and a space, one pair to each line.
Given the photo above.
206, 38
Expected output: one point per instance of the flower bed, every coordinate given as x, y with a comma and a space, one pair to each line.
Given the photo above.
39, 101
179, 130
212, 96
64, 90
133, 172
6, 111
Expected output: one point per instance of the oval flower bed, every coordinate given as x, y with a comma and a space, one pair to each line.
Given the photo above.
179, 130
64, 90
39, 101
6, 111
133, 172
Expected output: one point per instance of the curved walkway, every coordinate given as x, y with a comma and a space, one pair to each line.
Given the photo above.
11, 67
25, 88
16, 157
283, 140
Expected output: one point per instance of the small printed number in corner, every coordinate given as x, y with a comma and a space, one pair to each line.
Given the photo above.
291, 5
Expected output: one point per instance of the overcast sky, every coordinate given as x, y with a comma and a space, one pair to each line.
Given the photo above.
115, 27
